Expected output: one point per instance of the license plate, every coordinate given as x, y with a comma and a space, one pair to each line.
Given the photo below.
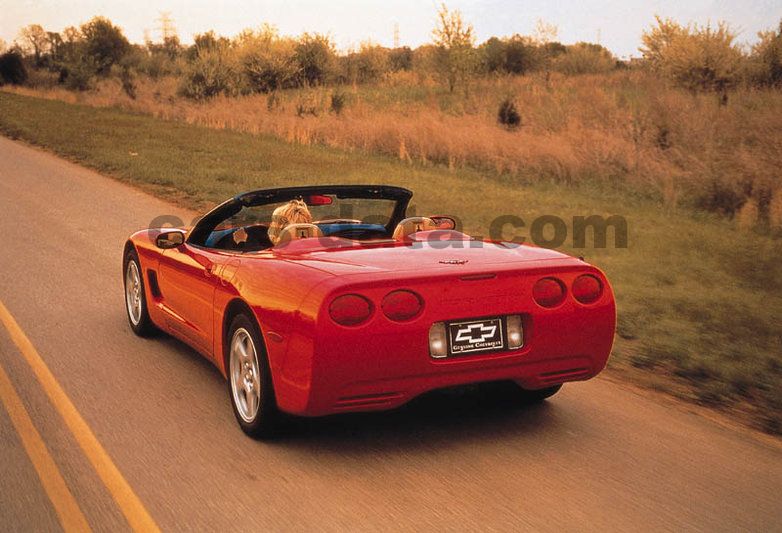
471, 336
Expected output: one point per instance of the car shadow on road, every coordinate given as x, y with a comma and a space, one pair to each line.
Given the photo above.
479, 413
443, 418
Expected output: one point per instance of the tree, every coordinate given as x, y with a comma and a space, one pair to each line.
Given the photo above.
368, 64
699, 58
492, 56
34, 40
520, 55
315, 56
454, 40
104, 43
545, 35
767, 58
267, 60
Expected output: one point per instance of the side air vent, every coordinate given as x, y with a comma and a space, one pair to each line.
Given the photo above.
153, 285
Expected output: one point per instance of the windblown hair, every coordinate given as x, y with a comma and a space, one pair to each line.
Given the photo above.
294, 212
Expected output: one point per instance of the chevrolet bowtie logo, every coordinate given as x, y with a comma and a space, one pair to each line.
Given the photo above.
475, 333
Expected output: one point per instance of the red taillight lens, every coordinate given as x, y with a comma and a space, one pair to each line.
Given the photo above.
350, 310
587, 289
402, 305
548, 292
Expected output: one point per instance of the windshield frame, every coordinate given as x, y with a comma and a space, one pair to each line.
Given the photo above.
201, 231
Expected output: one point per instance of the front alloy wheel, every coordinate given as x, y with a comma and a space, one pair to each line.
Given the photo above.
135, 297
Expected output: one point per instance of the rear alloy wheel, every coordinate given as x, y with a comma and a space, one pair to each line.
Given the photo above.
528, 396
135, 297
249, 380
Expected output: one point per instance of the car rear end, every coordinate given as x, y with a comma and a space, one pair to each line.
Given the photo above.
375, 342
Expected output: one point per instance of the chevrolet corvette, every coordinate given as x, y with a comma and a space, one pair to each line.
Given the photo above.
363, 308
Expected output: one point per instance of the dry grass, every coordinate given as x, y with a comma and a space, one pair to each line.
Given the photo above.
625, 127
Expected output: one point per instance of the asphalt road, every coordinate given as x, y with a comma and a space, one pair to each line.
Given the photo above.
600, 455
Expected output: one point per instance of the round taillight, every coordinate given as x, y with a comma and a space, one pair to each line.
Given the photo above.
548, 292
587, 289
350, 309
402, 305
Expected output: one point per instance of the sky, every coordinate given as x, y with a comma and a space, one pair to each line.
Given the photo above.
614, 24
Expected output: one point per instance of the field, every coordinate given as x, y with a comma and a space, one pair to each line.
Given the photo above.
626, 127
699, 294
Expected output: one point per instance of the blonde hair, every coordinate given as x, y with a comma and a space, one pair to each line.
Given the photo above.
294, 212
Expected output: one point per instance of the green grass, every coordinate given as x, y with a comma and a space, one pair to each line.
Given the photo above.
699, 301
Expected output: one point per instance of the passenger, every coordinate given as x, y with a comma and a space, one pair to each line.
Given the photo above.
294, 212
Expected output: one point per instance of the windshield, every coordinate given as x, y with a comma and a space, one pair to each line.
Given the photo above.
257, 220
326, 209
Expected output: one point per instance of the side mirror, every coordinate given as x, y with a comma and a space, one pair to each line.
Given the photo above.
444, 222
170, 239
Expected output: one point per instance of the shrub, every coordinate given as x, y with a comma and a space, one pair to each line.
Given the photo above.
315, 56
400, 59
338, 100
12, 69
128, 80
267, 60
508, 115
585, 58
698, 58
78, 76
210, 74
369, 64
767, 58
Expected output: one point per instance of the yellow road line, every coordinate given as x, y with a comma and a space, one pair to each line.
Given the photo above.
65, 505
130, 504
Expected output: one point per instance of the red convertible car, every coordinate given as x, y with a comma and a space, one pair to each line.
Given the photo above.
363, 308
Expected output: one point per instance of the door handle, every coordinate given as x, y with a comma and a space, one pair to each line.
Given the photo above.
209, 270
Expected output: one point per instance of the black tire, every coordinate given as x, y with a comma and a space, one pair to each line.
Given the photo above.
528, 397
144, 326
266, 421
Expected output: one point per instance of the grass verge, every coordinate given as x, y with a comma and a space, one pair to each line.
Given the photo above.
699, 300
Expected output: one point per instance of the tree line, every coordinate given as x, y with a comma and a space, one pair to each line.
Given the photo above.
698, 58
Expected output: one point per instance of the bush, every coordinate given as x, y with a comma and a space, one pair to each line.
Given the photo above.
400, 59
508, 115
367, 65
270, 67
210, 74
12, 69
78, 75
767, 59
315, 56
585, 58
697, 58
338, 100
128, 80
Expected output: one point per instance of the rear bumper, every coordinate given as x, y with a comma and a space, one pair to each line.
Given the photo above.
368, 369
322, 368
390, 393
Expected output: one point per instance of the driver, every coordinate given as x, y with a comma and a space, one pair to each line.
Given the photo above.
294, 212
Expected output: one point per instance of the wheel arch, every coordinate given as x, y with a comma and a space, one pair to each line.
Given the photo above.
235, 307
128, 247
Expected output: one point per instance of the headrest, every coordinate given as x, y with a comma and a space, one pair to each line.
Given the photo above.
293, 232
412, 225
